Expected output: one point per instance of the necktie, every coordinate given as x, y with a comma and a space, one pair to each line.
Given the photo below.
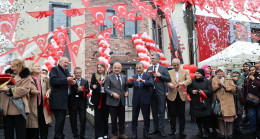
78, 82
119, 82
154, 68
139, 83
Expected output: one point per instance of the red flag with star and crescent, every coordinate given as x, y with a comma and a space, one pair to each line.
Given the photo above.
41, 14
75, 46
74, 12
121, 9
131, 15
86, 2
41, 41
20, 45
79, 29
8, 23
106, 33
120, 27
212, 36
99, 13
115, 19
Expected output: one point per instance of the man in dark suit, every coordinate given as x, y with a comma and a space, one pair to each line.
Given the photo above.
78, 103
141, 99
116, 89
160, 75
60, 79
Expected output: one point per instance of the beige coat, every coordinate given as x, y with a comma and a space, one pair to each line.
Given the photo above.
32, 121
184, 77
226, 100
22, 91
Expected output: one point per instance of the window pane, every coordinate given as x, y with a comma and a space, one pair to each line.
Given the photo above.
129, 28
59, 18
108, 22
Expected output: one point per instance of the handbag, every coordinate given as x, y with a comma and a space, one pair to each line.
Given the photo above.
216, 107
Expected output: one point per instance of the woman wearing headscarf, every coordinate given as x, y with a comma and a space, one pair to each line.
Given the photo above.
14, 101
99, 100
238, 81
213, 120
40, 115
200, 91
224, 88
252, 86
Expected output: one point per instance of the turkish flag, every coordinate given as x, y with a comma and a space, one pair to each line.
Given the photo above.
99, 13
79, 30
41, 41
8, 23
239, 5
75, 47
115, 19
41, 14
106, 33
20, 45
74, 12
60, 36
212, 36
139, 17
120, 27
86, 2
153, 13
131, 15
167, 10
91, 36
147, 11
121, 9
141, 6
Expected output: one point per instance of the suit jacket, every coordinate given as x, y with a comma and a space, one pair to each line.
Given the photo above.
74, 89
142, 93
112, 86
184, 77
160, 85
59, 86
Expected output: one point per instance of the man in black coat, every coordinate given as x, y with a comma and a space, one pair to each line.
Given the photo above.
141, 99
78, 103
60, 80
160, 76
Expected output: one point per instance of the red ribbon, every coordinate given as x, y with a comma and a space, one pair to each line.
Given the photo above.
47, 105
186, 94
70, 82
131, 79
100, 82
100, 101
84, 92
202, 94
157, 80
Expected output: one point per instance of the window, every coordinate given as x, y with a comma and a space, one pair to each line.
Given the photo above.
157, 32
60, 19
130, 28
108, 23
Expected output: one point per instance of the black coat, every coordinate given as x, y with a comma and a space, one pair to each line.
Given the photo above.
142, 93
59, 88
197, 108
95, 97
74, 93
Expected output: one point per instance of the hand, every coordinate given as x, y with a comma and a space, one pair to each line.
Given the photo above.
4, 89
126, 94
194, 92
180, 84
47, 95
167, 94
157, 74
150, 72
116, 96
171, 85
73, 82
69, 79
251, 77
35, 92
139, 80
94, 86
80, 88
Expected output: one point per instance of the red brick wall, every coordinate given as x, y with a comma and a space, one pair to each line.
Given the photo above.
117, 44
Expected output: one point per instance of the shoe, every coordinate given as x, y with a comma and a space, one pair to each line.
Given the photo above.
100, 138
156, 132
105, 137
205, 133
172, 133
146, 136
221, 136
134, 136
200, 132
123, 136
162, 134
229, 136
182, 134
214, 131
114, 137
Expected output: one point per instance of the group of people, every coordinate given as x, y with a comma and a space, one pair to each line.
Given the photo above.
216, 101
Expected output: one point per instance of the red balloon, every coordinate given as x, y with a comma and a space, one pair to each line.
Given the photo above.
192, 68
47, 64
186, 66
49, 67
192, 75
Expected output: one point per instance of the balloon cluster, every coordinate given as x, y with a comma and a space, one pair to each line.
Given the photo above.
143, 53
192, 69
150, 44
104, 51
